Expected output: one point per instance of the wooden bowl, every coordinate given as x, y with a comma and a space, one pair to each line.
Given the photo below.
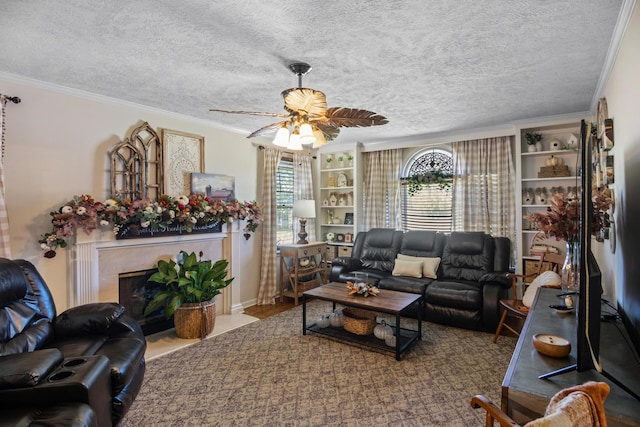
551, 345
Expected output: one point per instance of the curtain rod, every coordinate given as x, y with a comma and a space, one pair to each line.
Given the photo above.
262, 147
13, 99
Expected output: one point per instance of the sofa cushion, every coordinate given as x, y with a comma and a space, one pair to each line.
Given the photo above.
407, 268
423, 243
405, 284
373, 275
429, 264
87, 319
467, 256
29, 368
461, 295
70, 414
466, 243
379, 249
12, 285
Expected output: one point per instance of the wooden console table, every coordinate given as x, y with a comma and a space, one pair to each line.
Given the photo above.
525, 397
314, 265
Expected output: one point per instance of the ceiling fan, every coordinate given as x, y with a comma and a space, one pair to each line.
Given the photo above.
308, 116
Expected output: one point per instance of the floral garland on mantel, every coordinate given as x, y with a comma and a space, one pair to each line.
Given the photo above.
185, 212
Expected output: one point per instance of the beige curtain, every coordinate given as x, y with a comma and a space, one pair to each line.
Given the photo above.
303, 189
268, 266
5, 246
484, 187
381, 204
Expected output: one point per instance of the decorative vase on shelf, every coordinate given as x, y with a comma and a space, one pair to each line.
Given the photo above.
531, 148
569, 274
539, 146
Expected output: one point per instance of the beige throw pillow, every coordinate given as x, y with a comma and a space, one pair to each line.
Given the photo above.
407, 268
429, 265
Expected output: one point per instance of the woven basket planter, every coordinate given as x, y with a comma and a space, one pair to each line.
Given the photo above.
357, 321
195, 320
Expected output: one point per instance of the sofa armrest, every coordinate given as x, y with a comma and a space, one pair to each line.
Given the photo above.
498, 278
342, 265
28, 369
349, 263
492, 293
87, 319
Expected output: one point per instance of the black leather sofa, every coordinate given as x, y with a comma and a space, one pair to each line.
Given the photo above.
82, 367
470, 280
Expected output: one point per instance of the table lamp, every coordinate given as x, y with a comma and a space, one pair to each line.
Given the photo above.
304, 209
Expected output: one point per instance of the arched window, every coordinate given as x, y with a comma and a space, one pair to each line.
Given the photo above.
429, 208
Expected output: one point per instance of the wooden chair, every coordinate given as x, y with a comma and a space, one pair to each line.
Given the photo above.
580, 405
515, 307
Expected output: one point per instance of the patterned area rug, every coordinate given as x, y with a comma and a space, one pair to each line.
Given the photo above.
268, 374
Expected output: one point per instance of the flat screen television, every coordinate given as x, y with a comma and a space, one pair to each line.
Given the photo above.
590, 290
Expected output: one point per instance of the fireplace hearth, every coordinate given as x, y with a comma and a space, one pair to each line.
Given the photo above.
135, 293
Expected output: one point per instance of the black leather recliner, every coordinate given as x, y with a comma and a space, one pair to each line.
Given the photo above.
90, 357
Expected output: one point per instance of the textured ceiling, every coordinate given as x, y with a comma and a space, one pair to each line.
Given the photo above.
429, 66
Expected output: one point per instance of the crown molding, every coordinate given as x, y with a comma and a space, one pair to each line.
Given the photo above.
78, 93
614, 46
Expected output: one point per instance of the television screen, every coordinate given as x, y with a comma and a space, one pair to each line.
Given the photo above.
590, 291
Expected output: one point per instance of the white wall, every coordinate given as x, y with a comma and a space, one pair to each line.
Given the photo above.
622, 92
56, 147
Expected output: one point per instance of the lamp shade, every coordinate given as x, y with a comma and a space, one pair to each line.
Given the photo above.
306, 134
294, 142
282, 137
304, 208
320, 139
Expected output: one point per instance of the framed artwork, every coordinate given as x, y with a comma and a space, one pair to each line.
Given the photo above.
183, 154
348, 218
609, 173
343, 181
348, 238
214, 186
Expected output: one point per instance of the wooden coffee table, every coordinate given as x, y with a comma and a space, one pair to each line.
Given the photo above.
388, 301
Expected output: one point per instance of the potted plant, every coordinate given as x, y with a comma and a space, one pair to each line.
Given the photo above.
341, 161
329, 160
191, 285
533, 141
350, 158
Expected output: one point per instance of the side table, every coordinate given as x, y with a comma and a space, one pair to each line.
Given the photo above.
302, 261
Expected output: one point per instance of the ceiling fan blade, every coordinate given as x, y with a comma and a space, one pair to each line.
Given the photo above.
330, 132
351, 117
312, 101
267, 129
253, 113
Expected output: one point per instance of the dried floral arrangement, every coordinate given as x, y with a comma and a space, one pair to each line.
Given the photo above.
562, 217
364, 289
85, 213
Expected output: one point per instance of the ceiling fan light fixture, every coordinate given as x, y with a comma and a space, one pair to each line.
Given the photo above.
282, 137
306, 109
294, 142
306, 134
320, 139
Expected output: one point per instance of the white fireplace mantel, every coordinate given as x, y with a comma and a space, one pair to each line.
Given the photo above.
97, 260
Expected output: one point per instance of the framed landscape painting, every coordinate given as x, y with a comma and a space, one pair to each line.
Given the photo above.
214, 186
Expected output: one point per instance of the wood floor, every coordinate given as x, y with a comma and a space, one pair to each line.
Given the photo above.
264, 311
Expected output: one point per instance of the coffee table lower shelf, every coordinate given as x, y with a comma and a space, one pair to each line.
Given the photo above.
406, 338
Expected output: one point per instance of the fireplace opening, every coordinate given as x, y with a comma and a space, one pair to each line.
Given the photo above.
135, 293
